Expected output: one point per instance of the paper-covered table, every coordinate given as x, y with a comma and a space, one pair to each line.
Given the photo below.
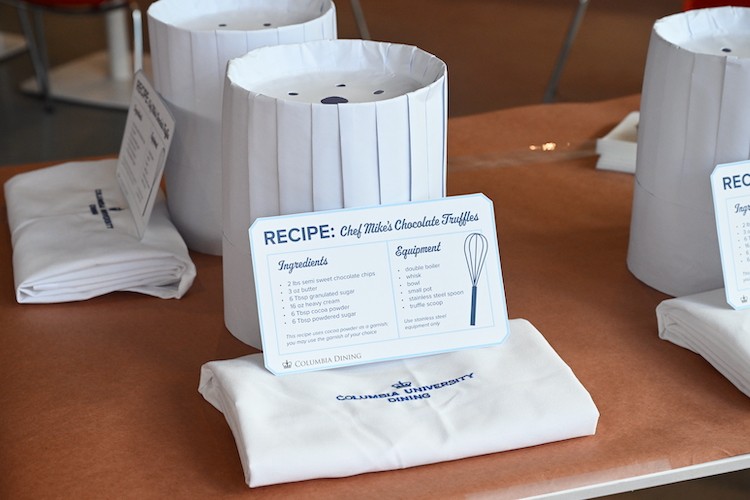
99, 398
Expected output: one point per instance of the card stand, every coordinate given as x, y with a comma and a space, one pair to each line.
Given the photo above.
694, 115
191, 43
325, 125
617, 150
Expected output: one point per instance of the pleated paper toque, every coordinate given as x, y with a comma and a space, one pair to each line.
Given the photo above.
324, 125
695, 114
191, 43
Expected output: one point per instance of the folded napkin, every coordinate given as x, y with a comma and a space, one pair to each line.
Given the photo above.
398, 414
706, 325
74, 238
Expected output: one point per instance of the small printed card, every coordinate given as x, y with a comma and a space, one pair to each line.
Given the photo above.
354, 286
730, 183
145, 143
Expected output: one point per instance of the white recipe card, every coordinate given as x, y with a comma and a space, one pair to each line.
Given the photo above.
354, 286
145, 144
730, 183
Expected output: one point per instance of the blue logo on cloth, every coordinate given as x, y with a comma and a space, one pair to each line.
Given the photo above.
405, 391
101, 207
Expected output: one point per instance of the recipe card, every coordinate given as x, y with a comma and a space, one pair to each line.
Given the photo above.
355, 286
730, 183
143, 152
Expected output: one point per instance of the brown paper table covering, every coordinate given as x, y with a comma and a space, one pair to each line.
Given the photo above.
99, 398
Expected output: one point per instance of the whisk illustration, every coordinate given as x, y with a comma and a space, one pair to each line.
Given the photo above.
475, 250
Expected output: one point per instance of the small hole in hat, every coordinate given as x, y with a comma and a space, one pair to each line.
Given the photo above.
266, 24
334, 100
222, 25
726, 49
378, 92
293, 93
341, 85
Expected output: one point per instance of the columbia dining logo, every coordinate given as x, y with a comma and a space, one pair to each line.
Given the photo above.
404, 391
101, 207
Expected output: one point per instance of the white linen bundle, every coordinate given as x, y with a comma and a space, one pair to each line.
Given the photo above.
398, 414
74, 238
706, 325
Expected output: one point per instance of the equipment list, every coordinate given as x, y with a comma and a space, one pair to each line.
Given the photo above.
354, 286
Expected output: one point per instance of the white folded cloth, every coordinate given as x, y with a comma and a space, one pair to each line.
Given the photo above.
397, 414
74, 238
706, 325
